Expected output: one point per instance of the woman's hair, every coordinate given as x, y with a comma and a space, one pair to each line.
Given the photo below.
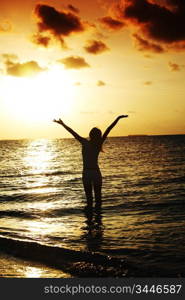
96, 137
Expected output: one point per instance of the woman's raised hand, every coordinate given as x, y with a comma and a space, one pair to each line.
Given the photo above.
123, 116
59, 121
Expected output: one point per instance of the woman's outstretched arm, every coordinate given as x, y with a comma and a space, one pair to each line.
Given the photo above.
76, 135
112, 125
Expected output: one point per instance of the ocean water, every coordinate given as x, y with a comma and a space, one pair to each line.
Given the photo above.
142, 219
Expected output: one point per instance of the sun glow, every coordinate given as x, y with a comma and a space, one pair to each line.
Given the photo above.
40, 98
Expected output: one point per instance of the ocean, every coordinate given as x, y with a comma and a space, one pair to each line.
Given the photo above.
139, 230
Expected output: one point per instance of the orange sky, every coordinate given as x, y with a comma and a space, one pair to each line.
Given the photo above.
87, 62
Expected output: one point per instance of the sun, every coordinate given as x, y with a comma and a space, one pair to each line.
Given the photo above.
40, 98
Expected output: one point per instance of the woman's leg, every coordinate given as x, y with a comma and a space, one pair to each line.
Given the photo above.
97, 184
88, 189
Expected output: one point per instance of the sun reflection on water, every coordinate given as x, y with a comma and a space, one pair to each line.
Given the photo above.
39, 155
38, 162
44, 272
33, 272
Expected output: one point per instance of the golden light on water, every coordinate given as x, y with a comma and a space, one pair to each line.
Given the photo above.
33, 272
43, 272
39, 227
42, 206
38, 161
15, 267
38, 157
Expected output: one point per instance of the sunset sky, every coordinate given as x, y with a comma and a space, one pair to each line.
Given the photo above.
89, 61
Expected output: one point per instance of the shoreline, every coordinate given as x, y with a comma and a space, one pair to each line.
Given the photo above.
73, 262
20, 259
13, 267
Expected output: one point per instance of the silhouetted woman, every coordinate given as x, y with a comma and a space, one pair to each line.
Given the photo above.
92, 179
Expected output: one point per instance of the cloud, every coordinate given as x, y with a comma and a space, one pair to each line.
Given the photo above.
88, 112
59, 24
100, 83
145, 45
96, 47
148, 83
27, 69
111, 23
175, 67
131, 112
148, 56
41, 40
5, 26
74, 62
9, 57
110, 112
77, 83
160, 21
73, 8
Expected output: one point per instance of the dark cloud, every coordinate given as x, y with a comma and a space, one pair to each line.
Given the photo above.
157, 20
74, 62
73, 8
148, 83
146, 45
100, 83
148, 56
27, 69
96, 47
41, 40
59, 24
112, 23
174, 67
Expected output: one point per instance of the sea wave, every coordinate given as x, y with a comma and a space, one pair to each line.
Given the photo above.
38, 174
17, 214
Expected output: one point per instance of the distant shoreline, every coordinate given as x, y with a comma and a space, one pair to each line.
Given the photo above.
138, 135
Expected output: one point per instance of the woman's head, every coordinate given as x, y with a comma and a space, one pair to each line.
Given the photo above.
96, 137
95, 134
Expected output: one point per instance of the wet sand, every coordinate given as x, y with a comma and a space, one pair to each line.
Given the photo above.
19, 268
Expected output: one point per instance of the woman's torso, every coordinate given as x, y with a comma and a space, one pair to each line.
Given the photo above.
90, 153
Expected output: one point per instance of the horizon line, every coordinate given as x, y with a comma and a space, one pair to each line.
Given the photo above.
118, 136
